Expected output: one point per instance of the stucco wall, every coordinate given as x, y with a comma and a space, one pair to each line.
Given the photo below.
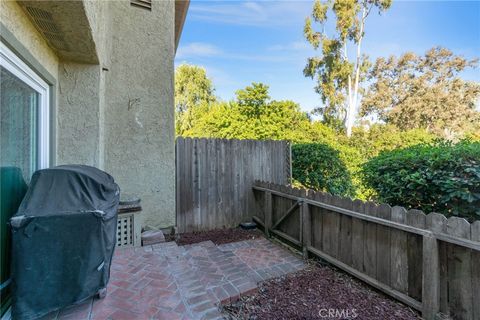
78, 115
15, 20
81, 99
117, 115
139, 113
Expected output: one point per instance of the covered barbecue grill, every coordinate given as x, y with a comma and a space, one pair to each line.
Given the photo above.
63, 238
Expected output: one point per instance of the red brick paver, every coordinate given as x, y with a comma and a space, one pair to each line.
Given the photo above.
166, 281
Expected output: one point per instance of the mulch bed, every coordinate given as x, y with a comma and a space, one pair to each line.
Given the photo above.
219, 236
317, 292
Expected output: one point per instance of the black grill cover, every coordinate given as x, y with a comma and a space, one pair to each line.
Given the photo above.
63, 237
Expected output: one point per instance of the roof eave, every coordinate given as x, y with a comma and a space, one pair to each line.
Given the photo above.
181, 8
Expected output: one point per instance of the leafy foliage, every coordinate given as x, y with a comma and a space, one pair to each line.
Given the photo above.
192, 89
443, 178
318, 166
252, 99
424, 92
380, 137
252, 116
367, 143
338, 78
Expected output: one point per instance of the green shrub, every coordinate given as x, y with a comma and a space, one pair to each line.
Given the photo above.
383, 137
444, 178
318, 166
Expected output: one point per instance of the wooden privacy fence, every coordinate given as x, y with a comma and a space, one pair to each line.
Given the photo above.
214, 179
426, 261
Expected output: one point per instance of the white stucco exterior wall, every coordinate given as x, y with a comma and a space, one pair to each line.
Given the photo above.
117, 115
15, 20
139, 112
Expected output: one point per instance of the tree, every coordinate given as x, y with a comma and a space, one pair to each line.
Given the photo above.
253, 98
386, 137
192, 89
338, 78
424, 92
252, 116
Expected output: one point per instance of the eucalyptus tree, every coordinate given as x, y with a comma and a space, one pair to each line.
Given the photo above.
337, 71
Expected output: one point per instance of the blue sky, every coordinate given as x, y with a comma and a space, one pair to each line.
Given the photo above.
239, 42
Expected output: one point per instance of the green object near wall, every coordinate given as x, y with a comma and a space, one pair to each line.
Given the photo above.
12, 191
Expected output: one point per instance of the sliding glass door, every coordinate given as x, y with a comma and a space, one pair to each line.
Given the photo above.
24, 127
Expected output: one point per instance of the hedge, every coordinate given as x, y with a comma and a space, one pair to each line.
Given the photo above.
440, 177
318, 166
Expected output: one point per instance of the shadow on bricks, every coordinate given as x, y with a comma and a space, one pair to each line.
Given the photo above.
167, 281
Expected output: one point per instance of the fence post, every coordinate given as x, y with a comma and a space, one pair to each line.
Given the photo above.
268, 213
431, 278
307, 229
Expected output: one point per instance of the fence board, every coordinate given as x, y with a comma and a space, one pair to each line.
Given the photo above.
399, 257
229, 187
438, 223
221, 180
431, 262
211, 202
214, 179
335, 228
459, 269
236, 179
306, 220
415, 218
181, 205
317, 221
345, 246
428, 262
475, 234
329, 228
290, 225
370, 248
358, 237
384, 211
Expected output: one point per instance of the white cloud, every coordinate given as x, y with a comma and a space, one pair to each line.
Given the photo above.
207, 50
253, 6
198, 49
292, 46
220, 76
250, 13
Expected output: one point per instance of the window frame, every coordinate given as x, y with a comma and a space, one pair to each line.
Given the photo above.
11, 62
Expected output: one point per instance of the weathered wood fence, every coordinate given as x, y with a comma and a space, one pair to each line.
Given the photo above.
214, 179
426, 261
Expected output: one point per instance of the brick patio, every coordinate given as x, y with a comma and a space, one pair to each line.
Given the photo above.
166, 281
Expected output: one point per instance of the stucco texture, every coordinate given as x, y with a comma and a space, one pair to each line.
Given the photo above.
14, 19
116, 114
78, 115
139, 113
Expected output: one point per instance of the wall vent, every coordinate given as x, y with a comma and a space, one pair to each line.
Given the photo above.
145, 4
44, 22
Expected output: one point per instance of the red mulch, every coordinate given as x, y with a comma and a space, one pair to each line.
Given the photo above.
313, 293
219, 236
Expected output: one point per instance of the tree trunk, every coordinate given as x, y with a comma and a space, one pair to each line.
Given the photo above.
352, 103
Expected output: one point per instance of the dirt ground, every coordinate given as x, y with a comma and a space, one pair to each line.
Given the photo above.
219, 236
318, 292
